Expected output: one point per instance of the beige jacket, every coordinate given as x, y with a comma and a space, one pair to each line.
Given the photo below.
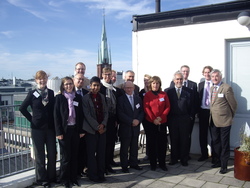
224, 106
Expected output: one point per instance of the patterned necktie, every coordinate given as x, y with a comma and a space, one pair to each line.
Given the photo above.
207, 94
79, 91
214, 93
178, 93
131, 101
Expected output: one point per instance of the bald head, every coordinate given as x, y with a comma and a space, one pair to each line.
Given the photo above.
129, 87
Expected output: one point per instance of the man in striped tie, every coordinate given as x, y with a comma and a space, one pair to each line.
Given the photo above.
222, 110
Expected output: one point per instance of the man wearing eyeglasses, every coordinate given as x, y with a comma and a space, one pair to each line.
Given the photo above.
80, 68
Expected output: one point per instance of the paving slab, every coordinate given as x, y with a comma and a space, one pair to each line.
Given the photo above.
210, 177
172, 179
214, 185
192, 182
232, 181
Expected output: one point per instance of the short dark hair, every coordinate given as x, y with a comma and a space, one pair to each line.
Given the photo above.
95, 79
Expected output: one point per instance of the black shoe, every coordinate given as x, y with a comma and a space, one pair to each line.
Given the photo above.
173, 163
202, 158
189, 158
75, 183
113, 163
216, 165
66, 185
164, 168
184, 163
111, 170
125, 170
103, 179
95, 180
136, 167
223, 170
153, 168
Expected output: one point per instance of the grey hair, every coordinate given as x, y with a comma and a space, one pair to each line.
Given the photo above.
177, 73
216, 71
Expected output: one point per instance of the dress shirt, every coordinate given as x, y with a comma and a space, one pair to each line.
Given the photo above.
203, 104
176, 88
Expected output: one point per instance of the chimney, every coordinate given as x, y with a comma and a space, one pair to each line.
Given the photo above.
157, 6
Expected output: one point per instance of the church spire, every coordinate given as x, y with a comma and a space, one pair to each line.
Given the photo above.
104, 56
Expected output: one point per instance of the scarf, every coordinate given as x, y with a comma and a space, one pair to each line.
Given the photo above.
110, 97
44, 94
72, 113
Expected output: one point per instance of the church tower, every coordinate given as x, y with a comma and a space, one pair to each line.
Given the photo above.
104, 53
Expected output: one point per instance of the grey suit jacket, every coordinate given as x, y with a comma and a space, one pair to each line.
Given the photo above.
126, 115
224, 106
90, 123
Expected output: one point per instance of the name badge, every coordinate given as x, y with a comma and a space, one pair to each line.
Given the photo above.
220, 95
162, 99
75, 103
137, 106
36, 94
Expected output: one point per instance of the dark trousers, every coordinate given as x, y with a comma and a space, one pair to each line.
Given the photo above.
69, 146
110, 140
221, 139
179, 129
129, 145
143, 121
157, 143
96, 145
203, 130
82, 155
190, 133
40, 139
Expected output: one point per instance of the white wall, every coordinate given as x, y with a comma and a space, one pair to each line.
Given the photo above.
163, 51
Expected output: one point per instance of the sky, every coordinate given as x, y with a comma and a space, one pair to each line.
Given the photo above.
53, 35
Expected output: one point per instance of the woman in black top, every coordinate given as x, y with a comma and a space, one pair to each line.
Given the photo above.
68, 115
41, 101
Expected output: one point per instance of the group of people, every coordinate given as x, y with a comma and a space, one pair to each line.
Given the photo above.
87, 117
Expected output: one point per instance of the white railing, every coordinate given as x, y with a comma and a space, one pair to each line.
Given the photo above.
15, 142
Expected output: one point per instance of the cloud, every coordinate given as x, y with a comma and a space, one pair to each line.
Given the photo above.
57, 64
121, 8
8, 34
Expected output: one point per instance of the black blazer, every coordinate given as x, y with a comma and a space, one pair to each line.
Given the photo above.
42, 116
182, 106
126, 115
200, 92
84, 91
61, 114
193, 86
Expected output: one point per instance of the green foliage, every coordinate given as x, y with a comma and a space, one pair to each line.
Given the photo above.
245, 143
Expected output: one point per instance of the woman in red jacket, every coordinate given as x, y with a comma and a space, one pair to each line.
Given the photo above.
156, 107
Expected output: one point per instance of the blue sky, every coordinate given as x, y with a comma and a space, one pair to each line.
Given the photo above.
53, 35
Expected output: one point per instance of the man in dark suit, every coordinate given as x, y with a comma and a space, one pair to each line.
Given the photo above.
130, 115
181, 113
185, 70
222, 110
82, 154
130, 76
204, 111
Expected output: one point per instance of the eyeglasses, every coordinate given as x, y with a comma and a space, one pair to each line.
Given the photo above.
68, 84
80, 69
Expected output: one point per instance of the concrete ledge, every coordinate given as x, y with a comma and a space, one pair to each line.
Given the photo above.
21, 180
